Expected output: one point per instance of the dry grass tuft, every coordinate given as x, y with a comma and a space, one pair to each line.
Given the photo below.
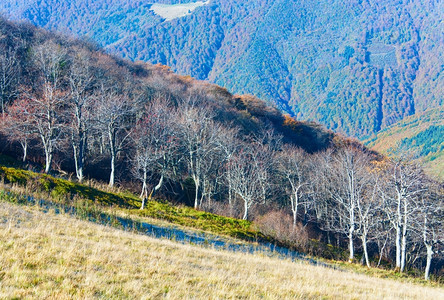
59, 257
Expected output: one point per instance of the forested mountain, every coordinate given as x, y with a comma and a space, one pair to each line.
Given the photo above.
354, 66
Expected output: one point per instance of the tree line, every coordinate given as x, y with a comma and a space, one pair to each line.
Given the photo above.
173, 138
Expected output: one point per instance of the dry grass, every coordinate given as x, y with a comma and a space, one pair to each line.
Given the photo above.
57, 257
170, 12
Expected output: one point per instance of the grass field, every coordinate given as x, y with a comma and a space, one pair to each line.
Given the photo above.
44, 255
170, 12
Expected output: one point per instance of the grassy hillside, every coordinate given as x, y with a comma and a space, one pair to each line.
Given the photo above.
421, 135
44, 255
71, 193
355, 70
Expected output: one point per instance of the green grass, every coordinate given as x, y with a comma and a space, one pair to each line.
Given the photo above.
190, 217
61, 189
58, 189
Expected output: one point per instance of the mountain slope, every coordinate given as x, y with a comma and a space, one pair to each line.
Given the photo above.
146, 128
355, 70
421, 135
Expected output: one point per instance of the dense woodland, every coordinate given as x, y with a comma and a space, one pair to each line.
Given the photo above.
68, 106
365, 67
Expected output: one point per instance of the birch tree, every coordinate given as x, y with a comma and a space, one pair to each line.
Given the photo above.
346, 183
244, 177
9, 74
156, 146
294, 174
80, 79
429, 224
403, 183
47, 99
112, 114
199, 135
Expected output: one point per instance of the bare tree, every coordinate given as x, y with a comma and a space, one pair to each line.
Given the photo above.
428, 223
267, 143
48, 120
369, 213
228, 145
199, 135
403, 183
294, 173
80, 105
9, 74
17, 125
112, 114
346, 181
50, 60
47, 100
156, 146
245, 176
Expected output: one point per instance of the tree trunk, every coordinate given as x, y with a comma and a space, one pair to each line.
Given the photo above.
48, 158
352, 228
112, 145
350, 244
78, 161
429, 261
196, 193
403, 251
159, 184
82, 145
156, 188
404, 238
245, 210
25, 150
364, 246
143, 203
398, 247
111, 176
144, 192
294, 199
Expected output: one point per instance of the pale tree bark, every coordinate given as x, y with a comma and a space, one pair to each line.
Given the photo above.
369, 213
80, 104
428, 224
403, 183
156, 146
199, 135
112, 112
244, 177
347, 183
294, 174
9, 74
47, 100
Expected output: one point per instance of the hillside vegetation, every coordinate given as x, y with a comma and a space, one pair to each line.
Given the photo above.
421, 135
44, 255
355, 70
69, 108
